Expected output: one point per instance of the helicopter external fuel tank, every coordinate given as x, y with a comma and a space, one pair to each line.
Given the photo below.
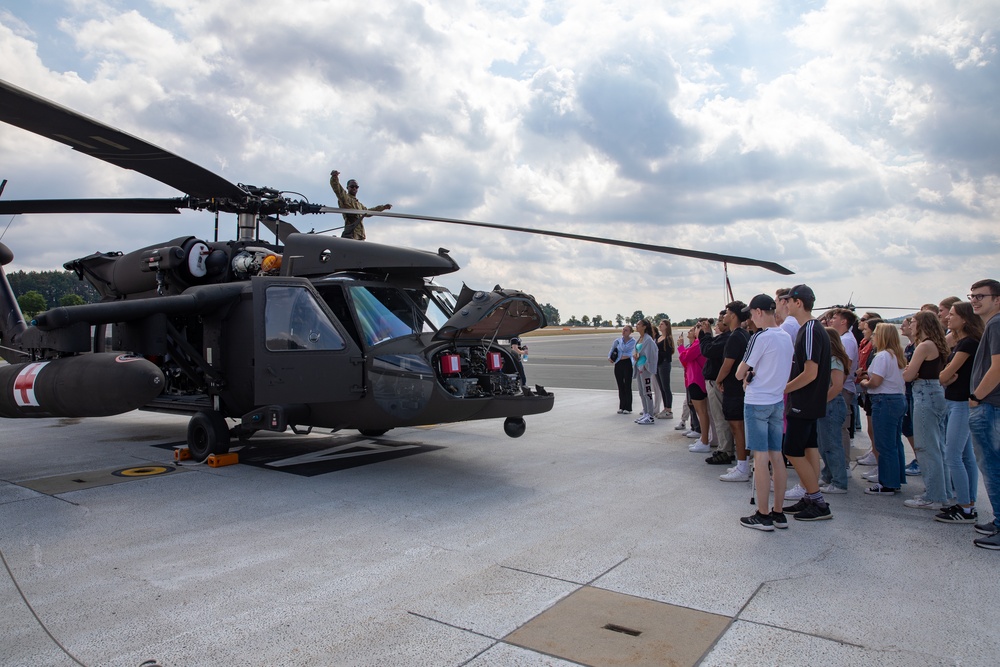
88, 385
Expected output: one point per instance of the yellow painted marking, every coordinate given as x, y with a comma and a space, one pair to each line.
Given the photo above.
144, 471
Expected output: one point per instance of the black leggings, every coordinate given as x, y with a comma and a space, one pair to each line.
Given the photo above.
623, 378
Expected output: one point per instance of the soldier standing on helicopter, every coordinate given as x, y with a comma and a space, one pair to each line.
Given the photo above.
355, 226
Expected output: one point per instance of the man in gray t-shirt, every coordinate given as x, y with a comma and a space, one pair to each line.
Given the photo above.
984, 403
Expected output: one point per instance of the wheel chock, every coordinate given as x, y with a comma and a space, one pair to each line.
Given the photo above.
182, 454
220, 460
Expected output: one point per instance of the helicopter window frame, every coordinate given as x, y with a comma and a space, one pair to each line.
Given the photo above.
428, 307
444, 298
295, 321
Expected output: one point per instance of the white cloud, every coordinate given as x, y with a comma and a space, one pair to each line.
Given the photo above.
856, 143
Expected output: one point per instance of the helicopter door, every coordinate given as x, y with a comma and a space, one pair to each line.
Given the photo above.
303, 354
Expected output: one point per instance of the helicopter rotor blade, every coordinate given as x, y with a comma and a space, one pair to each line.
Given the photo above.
851, 306
29, 206
53, 121
280, 228
682, 252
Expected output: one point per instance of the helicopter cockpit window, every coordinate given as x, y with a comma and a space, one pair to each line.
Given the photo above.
445, 299
384, 313
295, 321
430, 307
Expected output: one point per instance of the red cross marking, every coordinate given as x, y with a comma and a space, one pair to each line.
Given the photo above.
24, 385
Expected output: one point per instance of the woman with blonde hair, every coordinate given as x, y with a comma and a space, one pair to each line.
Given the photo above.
885, 386
960, 458
929, 408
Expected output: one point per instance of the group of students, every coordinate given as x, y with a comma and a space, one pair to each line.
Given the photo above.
647, 359
777, 385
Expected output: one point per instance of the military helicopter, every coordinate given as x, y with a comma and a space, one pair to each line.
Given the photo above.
308, 331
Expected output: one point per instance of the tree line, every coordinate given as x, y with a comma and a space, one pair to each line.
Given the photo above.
40, 290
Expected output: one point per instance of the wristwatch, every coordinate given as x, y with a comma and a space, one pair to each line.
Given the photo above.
972, 397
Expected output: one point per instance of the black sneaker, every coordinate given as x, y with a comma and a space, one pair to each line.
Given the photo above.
758, 521
955, 514
879, 490
986, 528
779, 520
797, 507
814, 512
719, 458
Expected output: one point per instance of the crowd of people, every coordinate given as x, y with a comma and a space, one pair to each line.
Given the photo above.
768, 385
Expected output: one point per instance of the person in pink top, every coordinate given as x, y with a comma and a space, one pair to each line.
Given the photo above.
694, 380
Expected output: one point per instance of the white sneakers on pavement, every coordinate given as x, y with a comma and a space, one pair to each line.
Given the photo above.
795, 493
736, 475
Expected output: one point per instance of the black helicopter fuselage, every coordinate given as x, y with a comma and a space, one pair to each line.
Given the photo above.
321, 332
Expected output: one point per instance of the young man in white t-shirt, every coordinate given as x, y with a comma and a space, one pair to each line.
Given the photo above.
764, 372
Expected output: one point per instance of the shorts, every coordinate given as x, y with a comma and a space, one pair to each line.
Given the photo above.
763, 426
732, 406
800, 435
696, 393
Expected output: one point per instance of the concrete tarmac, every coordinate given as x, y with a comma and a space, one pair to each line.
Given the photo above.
588, 541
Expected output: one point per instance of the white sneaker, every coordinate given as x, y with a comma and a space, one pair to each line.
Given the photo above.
871, 476
699, 448
831, 488
922, 503
645, 420
680, 427
795, 493
692, 434
868, 460
736, 476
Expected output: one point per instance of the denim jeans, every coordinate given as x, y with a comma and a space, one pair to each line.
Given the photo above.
887, 422
764, 424
984, 422
929, 411
958, 453
831, 449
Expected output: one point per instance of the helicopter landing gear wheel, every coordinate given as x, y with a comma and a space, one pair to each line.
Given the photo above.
373, 432
514, 426
207, 434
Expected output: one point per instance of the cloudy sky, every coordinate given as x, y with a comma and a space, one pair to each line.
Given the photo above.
856, 142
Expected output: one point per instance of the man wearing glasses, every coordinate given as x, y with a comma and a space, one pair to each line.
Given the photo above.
984, 404
354, 227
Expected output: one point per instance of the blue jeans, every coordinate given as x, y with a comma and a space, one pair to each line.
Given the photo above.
887, 422
929, 411
959, 456
984, 422
764, 424
831, 448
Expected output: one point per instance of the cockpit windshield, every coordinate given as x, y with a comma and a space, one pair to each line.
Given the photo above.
384, 313
433, 302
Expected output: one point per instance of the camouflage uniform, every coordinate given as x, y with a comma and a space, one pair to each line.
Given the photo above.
354, 224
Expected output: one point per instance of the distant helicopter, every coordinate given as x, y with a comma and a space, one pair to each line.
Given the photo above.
306, 331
